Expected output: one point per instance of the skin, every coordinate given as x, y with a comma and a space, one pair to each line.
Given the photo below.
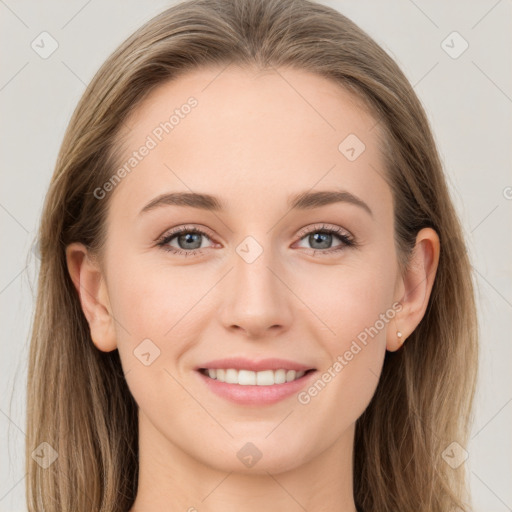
254, 140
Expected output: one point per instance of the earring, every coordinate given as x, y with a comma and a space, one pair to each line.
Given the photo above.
399, 336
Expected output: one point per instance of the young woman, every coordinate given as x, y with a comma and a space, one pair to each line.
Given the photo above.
254, 291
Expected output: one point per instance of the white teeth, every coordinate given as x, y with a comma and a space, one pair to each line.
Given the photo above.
280, 377
231, 376
248, 377
265, 378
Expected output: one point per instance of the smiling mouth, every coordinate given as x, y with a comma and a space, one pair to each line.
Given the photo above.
251, 378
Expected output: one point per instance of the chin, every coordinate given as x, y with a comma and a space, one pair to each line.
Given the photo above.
259, 456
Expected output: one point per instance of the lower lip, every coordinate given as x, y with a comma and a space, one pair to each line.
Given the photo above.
256, 395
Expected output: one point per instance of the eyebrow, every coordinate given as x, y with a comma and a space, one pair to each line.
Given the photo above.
302, 201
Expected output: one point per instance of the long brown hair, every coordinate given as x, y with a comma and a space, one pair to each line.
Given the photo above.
78, 399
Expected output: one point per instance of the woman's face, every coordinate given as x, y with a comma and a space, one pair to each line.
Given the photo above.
295, 260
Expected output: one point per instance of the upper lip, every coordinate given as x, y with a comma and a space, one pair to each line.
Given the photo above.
240, 363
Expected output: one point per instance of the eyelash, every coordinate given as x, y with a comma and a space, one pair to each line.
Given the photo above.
347, 240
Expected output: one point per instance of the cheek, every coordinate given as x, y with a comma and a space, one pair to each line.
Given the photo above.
347, 298
150, 300
353, 303
355, 345
156, 310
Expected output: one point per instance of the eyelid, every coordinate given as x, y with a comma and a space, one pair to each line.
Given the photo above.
204, 230
185, 228
322, 226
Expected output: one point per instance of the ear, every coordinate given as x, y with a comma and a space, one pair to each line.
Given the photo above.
90, 284
415, 287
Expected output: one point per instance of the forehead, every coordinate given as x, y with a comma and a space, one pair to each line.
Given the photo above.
246, 135
246, 100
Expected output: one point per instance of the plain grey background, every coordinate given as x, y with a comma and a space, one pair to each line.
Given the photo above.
467, 96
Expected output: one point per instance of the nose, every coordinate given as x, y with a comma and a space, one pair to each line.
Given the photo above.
256, 300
